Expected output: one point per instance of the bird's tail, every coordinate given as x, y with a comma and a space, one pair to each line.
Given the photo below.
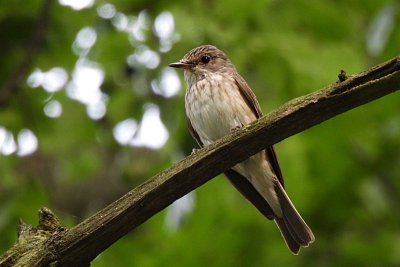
292, 226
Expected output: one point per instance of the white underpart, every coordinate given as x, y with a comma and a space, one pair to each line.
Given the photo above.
213, 115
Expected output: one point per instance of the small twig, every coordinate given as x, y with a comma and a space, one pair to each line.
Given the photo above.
342, 76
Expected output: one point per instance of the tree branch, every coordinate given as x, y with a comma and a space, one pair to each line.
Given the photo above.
81, 244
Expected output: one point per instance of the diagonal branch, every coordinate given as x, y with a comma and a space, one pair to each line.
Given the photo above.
82, 243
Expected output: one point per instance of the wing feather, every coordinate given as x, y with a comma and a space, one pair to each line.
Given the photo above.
251, 100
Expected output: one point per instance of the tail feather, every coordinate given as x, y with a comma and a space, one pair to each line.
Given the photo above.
287, 235
294, 230
294, 223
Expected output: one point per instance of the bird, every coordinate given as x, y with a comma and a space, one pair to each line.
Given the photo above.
218, 101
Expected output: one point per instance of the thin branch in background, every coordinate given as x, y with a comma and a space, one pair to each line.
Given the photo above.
13, 84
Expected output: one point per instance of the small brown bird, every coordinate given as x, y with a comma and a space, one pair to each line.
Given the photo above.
218, 101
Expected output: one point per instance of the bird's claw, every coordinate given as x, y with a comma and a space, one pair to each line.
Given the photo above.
236, 128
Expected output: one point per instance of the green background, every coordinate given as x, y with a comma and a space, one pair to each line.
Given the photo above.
343, 175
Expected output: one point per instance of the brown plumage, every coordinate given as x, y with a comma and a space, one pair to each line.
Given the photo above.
218, 101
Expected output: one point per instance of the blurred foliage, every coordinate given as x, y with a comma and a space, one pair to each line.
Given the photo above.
343, 175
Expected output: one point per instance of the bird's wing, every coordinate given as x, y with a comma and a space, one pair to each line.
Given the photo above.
193, 132
252, 102
249, 192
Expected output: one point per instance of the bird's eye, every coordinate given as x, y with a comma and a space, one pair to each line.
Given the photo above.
205, 59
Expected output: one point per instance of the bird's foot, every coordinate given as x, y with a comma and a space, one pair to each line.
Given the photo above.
194, 150
236, 128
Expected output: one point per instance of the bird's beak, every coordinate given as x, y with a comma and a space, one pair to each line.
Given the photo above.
180, 65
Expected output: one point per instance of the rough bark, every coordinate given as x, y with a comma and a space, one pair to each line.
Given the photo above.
49, 244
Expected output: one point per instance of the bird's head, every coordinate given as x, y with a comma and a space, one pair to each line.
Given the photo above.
202, 61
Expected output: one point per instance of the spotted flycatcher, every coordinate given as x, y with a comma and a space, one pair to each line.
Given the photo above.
218, 101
